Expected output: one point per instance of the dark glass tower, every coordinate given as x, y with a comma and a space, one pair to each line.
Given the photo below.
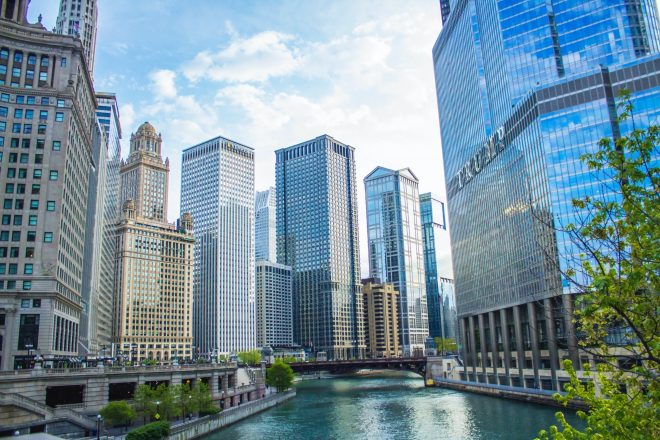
524, 89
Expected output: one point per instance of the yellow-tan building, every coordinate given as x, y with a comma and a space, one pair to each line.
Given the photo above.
380, 318
154, 262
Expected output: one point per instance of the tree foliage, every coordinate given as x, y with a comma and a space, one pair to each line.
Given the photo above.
280, 376
617, 234
118, 413
152, 431
252, 357
445, 345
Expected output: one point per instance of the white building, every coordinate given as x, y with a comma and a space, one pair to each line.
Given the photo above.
274, 308
217, 188
78, 18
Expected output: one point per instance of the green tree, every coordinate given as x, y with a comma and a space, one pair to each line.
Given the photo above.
184, 398
280, 376
143, 400
203, 401
166, 403
152, 431
118, 413
445, 345
619, 241
252, 357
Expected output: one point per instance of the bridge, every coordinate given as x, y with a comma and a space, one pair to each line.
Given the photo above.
424, 366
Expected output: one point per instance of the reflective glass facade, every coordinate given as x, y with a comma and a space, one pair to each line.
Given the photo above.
317, 235
264, 226
396, 249
535, 87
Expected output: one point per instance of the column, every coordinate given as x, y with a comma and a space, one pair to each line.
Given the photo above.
534, 334
571, 338
214, 385
495, 354
473, 348
484, 352
519, 344
552, 342
464, 346
506, 347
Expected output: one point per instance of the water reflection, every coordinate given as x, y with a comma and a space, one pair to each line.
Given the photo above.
391, 407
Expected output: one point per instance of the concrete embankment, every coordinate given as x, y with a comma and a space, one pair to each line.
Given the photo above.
542, 397
207, 425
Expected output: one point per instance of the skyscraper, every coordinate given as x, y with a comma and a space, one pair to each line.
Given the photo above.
78, 18
154, 262
217, 188
46, 129
396, 249
381, 318
535, 87
317, 235
264, 226
437, 268
274, 309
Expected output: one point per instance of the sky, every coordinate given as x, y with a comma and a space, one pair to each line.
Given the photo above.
271, 74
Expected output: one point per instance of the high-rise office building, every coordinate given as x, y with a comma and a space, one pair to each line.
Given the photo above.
437, 268
78, 18
536, 86
264, 226
444, 10
317, 235
396, 248
154, 262
381, 318
144, 175
217, 188
46, 130
274, 308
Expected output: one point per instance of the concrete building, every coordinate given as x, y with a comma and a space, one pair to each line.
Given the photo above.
78, 18
154, 262
438, 269
47, 121
217, 187
381, 318
264, 225
274, 309
317, 235
516, 114
396, 248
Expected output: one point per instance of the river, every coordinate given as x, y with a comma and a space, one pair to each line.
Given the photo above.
391, 407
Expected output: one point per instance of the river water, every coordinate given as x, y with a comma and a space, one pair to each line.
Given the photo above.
391, 407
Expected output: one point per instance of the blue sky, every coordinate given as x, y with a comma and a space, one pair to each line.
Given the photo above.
270, 74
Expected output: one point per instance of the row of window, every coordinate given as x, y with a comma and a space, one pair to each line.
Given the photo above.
25, 143
34, 204
12, 269
17, 127
30, 100
11, 285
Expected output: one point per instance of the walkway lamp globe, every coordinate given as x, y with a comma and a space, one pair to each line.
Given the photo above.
98, 426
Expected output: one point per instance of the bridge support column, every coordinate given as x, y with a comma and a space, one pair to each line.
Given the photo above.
214, 385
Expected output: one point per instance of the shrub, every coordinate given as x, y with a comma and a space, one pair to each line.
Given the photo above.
152, 431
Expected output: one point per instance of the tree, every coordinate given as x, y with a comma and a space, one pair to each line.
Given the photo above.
166, 406
183, 394
118, 413
144, 399
280, 376
152, 431
203, 401
618, 237
252, 357
445, 345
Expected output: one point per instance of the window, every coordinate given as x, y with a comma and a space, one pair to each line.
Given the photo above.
18, 204
53, 175
38, 158
13, 269
9, 188
27, 269
50, 205
40, 144
16, 72
44, 61
44, 100
34, 205
43, 76
4, 54
16, 236
14, 143
3, 126
36, 188
41, 129
4, 97
11, 172
22, 173
20, 188
3, 112
25, 143
18, 113
2, 143
27, 128
3, 268
29, 114
28, 331
3, 252
27, 285
63, 62
32, 59
43, 114
36, 303
18, 57
60, 103
36, 174
31, 100
18, 220
29, 252
25, 158
25, 303
16, 128
59, 117
7, 204
6, 219
4, 235
13, 158
57, 145
48, 237
31, 236
11, 285
13, 252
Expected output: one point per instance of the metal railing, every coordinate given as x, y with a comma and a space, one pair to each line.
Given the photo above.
117, 369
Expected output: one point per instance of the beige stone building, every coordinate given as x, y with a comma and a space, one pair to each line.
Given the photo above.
380, 318
154, 261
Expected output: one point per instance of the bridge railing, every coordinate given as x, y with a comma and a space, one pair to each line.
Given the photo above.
110, 370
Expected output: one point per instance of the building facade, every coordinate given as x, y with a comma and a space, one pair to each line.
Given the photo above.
536, 86
381, 318
437, 268
396, 248
78, 18
274, 308
153, 263
47, 119
217, 188
317, 235
264, 226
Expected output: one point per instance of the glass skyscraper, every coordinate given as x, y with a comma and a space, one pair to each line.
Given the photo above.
396, 249
317, 235
264, 226
536, 85
437, 268
217, 188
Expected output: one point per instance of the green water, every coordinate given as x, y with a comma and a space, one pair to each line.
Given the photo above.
390, 407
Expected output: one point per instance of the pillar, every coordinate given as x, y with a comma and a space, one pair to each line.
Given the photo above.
484, 352
495, 354
519, 344
506, 347
552, 342
571, 338
464, 347
534, 334
473, 348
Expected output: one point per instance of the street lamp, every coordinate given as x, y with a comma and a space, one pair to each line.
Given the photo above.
98, 426
157, 416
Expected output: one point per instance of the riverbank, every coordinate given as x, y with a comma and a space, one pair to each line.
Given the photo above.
208, 425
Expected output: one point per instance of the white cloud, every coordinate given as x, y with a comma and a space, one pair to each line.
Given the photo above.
163, 83
127, 116
254, 59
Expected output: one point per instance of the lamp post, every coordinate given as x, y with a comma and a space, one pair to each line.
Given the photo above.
190, 405
157, 416
98, 426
